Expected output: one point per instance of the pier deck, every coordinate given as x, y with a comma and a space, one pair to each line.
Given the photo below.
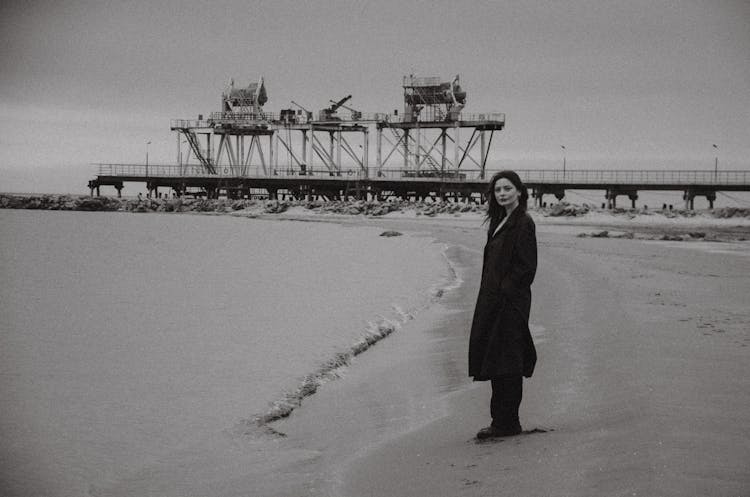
237, 182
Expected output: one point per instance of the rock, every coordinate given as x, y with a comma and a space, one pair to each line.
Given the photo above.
390, 233
600, 234
564, 209
94, 204
727, 212
275, 207
204, 205
671, 238
173, 205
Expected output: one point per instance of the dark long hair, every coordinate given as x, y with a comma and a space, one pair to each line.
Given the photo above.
496, 212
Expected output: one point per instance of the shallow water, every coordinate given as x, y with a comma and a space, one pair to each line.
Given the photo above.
133, 346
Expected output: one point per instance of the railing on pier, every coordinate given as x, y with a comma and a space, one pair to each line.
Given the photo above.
218, 119
633, 177
546, 176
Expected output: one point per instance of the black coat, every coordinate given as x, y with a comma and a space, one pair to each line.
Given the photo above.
500, 342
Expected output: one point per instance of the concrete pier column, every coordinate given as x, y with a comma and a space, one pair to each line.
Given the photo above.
612, 194
119, 190
611, 197
690, 194
711, 197
689, 198
538, 195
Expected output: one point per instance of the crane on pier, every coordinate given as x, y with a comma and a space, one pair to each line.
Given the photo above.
330, 114
356, 115
308, 113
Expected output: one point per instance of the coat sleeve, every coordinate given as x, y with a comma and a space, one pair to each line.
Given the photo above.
523, 261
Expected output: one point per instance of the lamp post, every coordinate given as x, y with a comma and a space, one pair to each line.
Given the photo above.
563, 149
147, 144
716, 163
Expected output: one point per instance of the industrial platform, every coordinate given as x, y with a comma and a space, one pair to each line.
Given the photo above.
431, 149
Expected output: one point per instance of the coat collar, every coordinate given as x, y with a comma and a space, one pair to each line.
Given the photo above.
512, 221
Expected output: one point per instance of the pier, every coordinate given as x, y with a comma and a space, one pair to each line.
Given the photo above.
432, 149
384, 183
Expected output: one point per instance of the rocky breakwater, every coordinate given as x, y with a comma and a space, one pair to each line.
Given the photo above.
59, 202
252, 207
247, 206
564, 209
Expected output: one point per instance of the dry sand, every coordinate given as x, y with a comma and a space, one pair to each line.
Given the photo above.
641, 386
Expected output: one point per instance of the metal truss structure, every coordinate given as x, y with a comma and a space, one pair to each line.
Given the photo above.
242, 140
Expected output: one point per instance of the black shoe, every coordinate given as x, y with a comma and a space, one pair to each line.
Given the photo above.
497, 432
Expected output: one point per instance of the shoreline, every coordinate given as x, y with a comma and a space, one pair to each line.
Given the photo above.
401, 385
372, 335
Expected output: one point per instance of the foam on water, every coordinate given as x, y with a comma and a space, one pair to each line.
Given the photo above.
332, 368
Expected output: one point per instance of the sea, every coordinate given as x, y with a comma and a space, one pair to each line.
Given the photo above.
133, 344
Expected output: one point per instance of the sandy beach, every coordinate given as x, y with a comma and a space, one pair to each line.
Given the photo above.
643, 336
641, 386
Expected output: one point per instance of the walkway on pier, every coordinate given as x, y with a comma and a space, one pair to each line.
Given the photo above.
467, 185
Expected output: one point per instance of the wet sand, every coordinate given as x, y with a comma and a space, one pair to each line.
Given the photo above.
641, 386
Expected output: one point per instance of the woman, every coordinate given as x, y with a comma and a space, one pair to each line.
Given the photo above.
500, 348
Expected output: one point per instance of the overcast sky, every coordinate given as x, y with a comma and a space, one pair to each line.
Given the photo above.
637, 83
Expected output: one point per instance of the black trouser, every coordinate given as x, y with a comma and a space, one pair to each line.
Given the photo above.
506, 398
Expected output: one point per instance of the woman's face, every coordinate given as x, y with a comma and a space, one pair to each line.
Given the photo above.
506, 194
